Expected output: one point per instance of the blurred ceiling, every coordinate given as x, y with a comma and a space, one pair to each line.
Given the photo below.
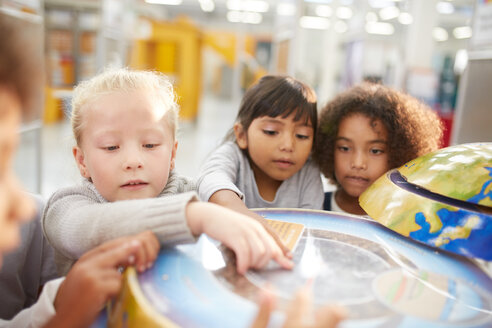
451, 14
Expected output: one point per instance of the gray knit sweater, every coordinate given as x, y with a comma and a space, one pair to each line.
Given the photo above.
77, 219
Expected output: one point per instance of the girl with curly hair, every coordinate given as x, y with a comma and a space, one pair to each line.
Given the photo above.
366, 131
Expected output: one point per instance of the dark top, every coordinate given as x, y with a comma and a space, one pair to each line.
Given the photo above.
327, 201
26, 268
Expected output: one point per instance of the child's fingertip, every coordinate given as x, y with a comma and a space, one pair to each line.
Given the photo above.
135, 243
241, 270
340, 311
131, 259
286, 263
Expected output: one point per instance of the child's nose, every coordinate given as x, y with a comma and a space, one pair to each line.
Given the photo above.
359, 161
133, 161
133, 164
287, 143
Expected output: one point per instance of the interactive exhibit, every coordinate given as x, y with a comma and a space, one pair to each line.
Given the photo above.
414, 265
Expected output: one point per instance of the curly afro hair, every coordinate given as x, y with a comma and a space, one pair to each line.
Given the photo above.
413, 128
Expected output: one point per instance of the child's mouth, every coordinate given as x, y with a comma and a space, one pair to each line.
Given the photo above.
134, 185
283, 163
358, 180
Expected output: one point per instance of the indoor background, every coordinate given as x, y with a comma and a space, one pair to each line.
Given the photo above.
438, 51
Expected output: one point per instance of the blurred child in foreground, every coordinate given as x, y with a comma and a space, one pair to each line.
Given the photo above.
76, 300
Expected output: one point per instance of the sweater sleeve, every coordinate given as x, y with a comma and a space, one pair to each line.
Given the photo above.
77, 219
312, 196
40, 312
220, 171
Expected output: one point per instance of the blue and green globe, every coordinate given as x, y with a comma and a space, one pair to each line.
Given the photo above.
443, 199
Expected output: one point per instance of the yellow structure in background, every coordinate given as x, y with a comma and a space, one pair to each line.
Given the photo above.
174, 48
53, 103
226, 45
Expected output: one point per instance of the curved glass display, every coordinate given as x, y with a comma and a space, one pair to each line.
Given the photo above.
381, 277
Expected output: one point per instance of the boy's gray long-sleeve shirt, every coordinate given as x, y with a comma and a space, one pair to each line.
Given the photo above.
27, 268
77, 219
229, 168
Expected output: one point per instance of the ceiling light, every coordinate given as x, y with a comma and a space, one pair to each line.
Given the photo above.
405, 19
234, 5
258, 6
462, 32
379, 28
439, 34
371, 17
286, 9
234, 16
380, 3
344, 13
323, 11
244, 17
444, 7
165, 2
460, 61
314, 22
252, 18
341, 27
207, 5
389, 13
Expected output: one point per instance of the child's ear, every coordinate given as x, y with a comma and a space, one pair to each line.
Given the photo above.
78, 154
173, 156
241, 136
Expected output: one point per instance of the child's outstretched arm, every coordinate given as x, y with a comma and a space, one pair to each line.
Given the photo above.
96, 278
75, 221
252, 244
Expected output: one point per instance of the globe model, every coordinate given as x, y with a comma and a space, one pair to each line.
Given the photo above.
443, 199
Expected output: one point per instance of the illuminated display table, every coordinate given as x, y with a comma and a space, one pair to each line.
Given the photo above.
381, 277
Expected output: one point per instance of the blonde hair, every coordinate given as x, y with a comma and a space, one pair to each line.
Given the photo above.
123, 80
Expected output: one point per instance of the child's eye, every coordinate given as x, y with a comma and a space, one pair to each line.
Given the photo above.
270, 132
111, 148
150, 146
376, 151
343, 148
302, 136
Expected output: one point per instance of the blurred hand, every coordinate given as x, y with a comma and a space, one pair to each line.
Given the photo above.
95, 278
148, 252
299, 313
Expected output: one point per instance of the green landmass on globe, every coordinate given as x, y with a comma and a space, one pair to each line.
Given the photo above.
462, 173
